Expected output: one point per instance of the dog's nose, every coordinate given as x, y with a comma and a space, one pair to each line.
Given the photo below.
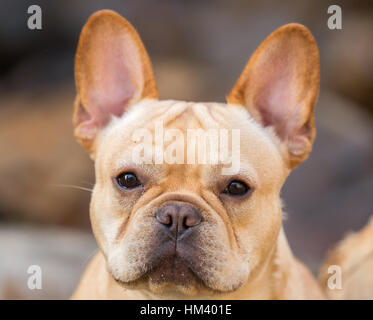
178, 217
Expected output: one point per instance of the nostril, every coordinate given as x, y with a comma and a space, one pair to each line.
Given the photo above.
190, 218
191, 221
165, 216
166, 219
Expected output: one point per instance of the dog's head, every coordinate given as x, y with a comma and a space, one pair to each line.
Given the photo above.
167, 218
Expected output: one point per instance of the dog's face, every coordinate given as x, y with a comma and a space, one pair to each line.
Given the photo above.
168, 224
178, 224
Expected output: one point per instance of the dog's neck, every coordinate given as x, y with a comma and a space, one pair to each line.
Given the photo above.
269, 281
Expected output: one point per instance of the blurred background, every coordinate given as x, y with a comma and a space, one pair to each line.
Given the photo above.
198, 49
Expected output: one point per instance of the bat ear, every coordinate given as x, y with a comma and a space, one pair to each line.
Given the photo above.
112, 72
279, 87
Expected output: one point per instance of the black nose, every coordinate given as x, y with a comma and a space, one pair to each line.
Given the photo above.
178, 217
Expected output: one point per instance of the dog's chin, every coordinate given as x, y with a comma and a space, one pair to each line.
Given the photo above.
172, 277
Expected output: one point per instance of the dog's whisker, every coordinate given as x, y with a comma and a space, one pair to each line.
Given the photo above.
72, 187
88, 183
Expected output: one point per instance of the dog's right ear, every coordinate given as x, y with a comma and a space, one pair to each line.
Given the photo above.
112, 72
279, 87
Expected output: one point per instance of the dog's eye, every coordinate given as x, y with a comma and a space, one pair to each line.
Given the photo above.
237, 188
128, 180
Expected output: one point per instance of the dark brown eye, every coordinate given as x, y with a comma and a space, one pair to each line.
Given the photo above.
237, 188
128, 180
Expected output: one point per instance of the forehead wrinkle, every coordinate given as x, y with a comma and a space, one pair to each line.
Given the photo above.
204, 116
175, 111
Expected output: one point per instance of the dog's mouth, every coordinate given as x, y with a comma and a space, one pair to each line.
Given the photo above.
173, 270
173, 273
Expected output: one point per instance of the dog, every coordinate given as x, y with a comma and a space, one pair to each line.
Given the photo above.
185, 230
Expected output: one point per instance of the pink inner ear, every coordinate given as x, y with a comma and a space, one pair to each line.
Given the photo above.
112, 76
276, 98
104, 105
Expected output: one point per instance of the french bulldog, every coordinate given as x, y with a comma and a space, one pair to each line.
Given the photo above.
168, 226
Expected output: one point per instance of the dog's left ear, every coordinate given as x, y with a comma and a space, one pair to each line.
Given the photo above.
279, 87
112, 71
